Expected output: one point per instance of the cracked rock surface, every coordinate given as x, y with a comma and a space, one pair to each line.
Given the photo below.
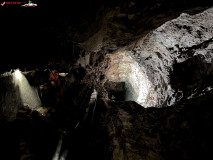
148, 66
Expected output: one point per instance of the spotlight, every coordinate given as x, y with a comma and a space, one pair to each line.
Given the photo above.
18, 74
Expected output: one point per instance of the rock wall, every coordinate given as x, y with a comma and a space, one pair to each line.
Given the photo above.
147, 68
178, 132
10, 100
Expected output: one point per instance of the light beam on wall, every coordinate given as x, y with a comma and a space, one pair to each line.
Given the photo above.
28, 93
138, 86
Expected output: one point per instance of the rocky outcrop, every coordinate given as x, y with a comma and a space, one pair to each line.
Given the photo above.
147, 68
178, 132
123, 22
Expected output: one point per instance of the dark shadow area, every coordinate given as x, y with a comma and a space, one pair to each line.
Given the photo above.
116, 90
192, 76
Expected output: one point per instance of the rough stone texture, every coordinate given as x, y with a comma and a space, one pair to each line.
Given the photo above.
125, 22
10, 100
148, 65
178, 132
124, 68
121, 34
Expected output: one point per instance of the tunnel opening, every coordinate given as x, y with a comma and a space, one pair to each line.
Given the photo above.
116, 90
124, 69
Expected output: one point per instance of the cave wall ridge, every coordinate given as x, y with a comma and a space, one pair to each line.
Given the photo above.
174, 42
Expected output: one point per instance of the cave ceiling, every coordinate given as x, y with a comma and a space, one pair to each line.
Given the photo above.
34, 37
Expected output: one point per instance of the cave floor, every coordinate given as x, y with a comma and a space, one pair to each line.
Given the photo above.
121, 130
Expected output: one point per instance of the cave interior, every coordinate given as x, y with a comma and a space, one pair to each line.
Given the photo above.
107, 80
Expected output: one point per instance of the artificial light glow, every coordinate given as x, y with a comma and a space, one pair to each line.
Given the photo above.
18, 74
139, 88
28, 93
